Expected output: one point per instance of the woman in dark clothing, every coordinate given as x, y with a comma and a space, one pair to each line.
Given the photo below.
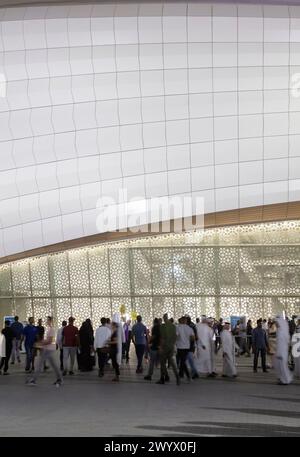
113, 351
249, 334
9, 336
86, 337
154, 347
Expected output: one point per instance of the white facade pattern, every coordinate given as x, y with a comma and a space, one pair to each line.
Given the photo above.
160, 99
250, 270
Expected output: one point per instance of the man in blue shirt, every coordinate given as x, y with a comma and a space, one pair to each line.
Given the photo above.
30, 334
17, 329
260, 345
139, 334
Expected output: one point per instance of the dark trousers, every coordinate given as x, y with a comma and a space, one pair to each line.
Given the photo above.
182, 355
217, 344
5, 360
249, 342
113, 356
139, 350
102, 359
243, 346
127, 348
191, 362
263, 358
61, 359
167, 355
29, 357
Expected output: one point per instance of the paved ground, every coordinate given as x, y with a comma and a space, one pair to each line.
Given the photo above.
251, 405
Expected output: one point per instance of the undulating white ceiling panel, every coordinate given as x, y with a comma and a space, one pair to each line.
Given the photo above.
189, 99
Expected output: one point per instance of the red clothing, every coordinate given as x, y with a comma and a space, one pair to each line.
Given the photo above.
70, 336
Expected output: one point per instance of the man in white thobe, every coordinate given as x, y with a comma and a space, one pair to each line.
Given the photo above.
229, 369
210, 322
282, 352
203, 360
2, 346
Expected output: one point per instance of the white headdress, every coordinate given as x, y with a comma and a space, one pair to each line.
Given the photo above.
116, 318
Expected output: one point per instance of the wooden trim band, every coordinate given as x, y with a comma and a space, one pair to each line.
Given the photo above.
259, 214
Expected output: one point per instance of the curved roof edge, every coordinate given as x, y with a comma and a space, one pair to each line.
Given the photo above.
14, 3
254, 215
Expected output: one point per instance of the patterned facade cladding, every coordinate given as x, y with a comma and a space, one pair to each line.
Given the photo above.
218, 272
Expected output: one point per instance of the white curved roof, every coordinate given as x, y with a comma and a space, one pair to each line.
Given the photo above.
160, 99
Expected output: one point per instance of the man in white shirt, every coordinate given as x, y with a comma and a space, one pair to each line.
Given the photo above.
59, 344
185, 335
265, 325
48, 348
102, 336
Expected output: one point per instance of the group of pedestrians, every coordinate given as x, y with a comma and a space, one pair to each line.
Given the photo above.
188, 349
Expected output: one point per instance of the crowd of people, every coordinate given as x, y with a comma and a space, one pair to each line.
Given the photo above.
188, 349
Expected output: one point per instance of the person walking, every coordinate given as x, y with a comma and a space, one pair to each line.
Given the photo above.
166, 352
29, 333
260, 346
185, 335
9, 336
204, 360
229, 369
113, 343
101, 345
190, 356
40, 333
40, 330
218, 327
86, 339
139, 335
272, 342
128, 336
47, 348
236, 334
249, 331
70, 344
292, 329
243, 339
281, 357
154, 347
59, 344
17, 329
